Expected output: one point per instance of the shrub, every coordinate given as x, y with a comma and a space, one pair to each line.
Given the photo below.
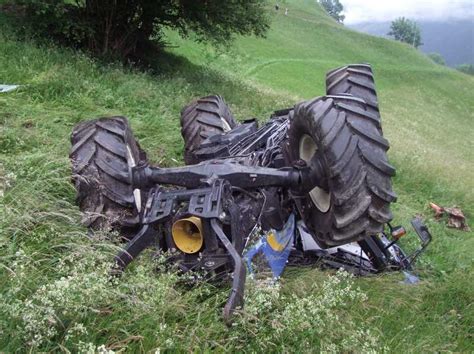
437, 58
54, 19
466, 69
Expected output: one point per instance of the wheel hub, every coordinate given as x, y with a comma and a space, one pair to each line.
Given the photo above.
307, 149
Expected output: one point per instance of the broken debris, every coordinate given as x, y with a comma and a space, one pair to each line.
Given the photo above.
7, 88
456, 218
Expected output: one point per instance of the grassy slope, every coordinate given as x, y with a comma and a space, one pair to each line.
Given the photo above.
427, 112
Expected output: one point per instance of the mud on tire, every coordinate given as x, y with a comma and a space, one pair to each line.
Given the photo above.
344, 134
202, 118
102, 154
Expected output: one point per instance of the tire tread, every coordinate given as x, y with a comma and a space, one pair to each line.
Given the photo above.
101, 173
199, 120
357, 168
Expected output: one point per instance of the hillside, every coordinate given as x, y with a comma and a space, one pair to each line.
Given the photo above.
54, 286
416, 96
454, 40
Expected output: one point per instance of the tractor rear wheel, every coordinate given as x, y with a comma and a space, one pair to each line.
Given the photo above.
356, 80
353, 200
201, 119
102, 155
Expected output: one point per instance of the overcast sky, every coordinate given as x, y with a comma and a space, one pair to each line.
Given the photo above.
357, 11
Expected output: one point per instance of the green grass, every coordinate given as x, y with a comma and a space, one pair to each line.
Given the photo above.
427, 113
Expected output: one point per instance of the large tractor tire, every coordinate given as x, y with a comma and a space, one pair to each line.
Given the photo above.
102, 155
354, 200
356, 80
201, 119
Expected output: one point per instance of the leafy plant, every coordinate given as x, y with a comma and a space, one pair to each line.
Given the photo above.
466, 69
437, 58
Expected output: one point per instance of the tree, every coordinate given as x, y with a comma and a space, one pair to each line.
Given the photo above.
405, 30
466, 68
437, 58
127, 28
334, 9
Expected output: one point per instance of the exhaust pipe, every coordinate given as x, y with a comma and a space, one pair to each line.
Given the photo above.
187, 234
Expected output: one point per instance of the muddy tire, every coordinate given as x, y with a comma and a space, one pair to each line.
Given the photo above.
201, 119
345, 136
356, 80
102, 154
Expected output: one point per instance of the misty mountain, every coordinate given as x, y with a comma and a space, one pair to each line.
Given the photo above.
454, 40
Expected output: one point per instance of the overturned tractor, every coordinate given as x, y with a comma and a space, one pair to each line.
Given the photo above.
312, 185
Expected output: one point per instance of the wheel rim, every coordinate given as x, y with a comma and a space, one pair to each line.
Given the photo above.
320, 198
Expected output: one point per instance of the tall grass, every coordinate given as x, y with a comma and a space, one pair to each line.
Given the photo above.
55, 289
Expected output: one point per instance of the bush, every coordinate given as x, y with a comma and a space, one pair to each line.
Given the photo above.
437, 58
466, 69
53, 19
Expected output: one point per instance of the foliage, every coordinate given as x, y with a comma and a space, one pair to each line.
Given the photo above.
317, 321
405, 30
466, 69
437, 58
54, 19
129, 28
334, 9
68, 307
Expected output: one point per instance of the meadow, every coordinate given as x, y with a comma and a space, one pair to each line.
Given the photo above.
54, 286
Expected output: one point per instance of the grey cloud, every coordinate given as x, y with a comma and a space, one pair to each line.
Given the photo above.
357, 11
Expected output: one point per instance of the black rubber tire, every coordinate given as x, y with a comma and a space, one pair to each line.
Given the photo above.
353, 156
356, 80
101, 167
201, 119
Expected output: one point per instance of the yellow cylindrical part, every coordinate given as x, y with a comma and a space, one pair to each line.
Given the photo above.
187, 234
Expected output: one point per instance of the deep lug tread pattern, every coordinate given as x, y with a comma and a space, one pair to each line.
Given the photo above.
101, 173
334, 72
353, 153
357, 80
201, 119
364, 114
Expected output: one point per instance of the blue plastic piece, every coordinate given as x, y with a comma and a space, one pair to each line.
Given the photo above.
276, 259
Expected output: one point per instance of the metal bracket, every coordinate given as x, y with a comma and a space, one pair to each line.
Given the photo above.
143, 239
236, 297
203, 202
425, 237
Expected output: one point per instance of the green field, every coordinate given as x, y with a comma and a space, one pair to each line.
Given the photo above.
54, 288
